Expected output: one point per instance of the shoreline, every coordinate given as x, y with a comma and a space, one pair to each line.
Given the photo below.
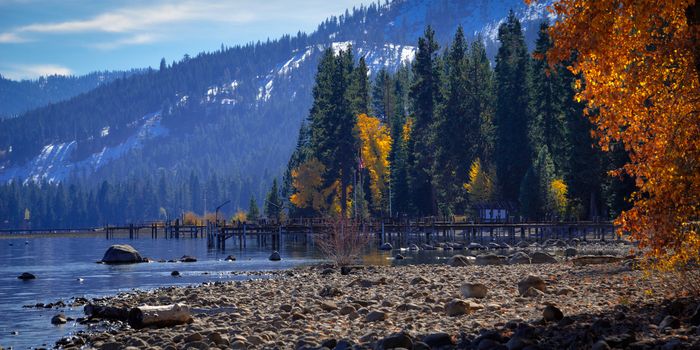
311, 306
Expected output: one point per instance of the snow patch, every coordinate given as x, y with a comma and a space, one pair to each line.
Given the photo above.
53, 162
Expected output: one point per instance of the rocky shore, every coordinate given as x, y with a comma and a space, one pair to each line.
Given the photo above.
523, 306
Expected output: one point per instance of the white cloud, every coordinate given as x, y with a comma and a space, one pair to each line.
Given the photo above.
19, 72
138, 39
10, 38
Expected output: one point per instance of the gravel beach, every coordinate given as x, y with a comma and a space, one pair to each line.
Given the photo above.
522, 306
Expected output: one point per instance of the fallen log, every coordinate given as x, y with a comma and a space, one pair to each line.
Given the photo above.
595, 259
159, 316
106, 312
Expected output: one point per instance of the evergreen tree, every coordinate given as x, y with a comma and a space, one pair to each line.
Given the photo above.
273, 202
384, 96
253, 210
536, 198
359, 89
548, 123
481, 100
424, 95
512, 108
456, 130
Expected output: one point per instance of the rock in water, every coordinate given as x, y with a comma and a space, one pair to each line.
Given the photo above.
457, 307
519, 258
490, 259
59, 319
275, 256
187, 259
460, 260
175, 273
542, 258
230, 258
386, 246
122, 254
474, 290
399, 257
552, 313
26, 276
531, 282
413, 247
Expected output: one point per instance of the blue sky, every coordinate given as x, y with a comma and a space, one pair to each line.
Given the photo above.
40, 37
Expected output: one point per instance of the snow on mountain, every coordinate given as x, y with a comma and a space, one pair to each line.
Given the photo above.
54, 163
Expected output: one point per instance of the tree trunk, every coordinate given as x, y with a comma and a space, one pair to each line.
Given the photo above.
159, 316
106, 312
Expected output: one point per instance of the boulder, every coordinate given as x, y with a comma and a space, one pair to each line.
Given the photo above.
122, 254
595, 259
522, 244
519, 258
26, 276
490, 259
59, 319
457, 307
570, 252
386, 246
230, 258
375, 316
437, 340
187, 259
398, 340
275, 256
413, 247
460, 260
175, 273
475, 246
670, 322
533, 293
474, 290
494, 245
531, 282
399, 257
552, 313
542, 258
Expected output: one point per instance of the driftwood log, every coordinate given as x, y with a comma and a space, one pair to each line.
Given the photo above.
595, 259
106, 312
159, 316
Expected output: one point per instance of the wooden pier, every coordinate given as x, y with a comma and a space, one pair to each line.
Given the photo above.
403, 232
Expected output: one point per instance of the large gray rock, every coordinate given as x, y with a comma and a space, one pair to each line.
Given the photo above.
122, 254
457, 307
490, 259
542, 258
474, 290
519, 258
531, 282
460, 260
386, 246
275, 256
26, 276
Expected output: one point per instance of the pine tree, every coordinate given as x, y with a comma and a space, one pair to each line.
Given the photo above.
273, 202
253, 210
536, 197
548, 112
456, 131
512, 108
424, 95
481, 101
359, 89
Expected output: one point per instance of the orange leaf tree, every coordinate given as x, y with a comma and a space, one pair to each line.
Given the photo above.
375, 144
639, 63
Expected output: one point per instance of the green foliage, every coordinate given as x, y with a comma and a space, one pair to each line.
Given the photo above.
253, 210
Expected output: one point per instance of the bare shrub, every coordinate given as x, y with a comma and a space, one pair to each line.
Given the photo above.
343, 242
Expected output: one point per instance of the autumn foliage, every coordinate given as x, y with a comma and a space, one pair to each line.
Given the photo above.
638, 61
375, 144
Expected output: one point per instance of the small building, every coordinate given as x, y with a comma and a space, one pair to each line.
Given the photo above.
493, 211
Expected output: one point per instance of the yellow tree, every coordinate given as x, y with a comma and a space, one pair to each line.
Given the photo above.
307, 181
480, 186
375, 144
639, 60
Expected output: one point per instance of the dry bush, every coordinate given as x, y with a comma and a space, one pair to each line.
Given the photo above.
190, 218
343, 243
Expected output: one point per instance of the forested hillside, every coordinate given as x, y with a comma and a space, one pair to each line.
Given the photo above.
18, 97
219, 125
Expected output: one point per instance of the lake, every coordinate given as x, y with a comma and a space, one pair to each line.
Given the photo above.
65, 267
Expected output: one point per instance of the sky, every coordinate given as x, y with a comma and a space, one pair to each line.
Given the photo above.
75, 37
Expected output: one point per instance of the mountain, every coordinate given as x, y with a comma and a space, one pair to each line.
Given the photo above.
231, 116
18, 97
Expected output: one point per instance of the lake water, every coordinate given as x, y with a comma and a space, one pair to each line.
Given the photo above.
65, 267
